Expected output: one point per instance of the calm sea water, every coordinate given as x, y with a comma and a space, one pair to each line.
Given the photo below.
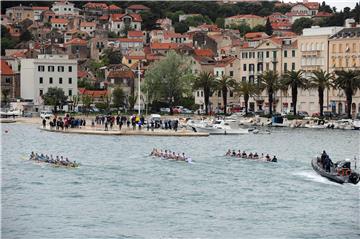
120, 192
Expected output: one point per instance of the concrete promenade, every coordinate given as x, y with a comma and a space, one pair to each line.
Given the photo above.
127, 132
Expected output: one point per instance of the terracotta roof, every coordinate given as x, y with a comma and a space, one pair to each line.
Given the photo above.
40, 8
135, 57
138, 7
168, 34
88, 24
135, 34
276, 40
246, 16
154, 57
5, 68
129, 40
19, 54
104, 17
81, 74
96, 5
226, 61
134, 16
93, 93
59, 21
323, 14
281, 25
256, 35
76, 41
204, 52
163, 46
114, 7
312, 5
121, 74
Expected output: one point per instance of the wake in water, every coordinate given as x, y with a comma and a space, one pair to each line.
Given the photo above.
313, 176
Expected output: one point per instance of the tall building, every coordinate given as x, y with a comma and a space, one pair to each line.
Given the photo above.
38, 75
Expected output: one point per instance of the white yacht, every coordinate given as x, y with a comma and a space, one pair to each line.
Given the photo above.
220, 127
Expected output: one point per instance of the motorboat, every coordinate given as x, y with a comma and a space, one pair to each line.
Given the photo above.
220, 127
279, 121
316, 124
339, 172
356, 124
346, 124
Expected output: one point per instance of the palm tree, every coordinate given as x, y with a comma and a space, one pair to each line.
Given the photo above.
321, 81
294, 80
247, 90
206, 82
269, 81
224, 84
349, 81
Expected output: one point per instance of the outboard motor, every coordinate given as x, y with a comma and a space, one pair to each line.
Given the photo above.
354, 178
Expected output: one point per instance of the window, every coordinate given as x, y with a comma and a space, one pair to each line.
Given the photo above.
243, 78
41, 68
274, 54
219, 93
217, 73
7, 80
70, 68
50, 80
244, 67
41, 92
293, 53
293, 66
267, 54
231, 73
285, 53
202, 93
198, 93
51, 68
40, 80
231, 94
70, 81
285, 67
70, 92
60, 69
60, 80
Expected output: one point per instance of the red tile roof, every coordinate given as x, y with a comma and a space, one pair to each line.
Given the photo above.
19, 54
138, 7
121, 74
96, 5
323, 14
5, 68
135, 34
129, 40
256, 35
312, 5
114, 7
76, 41
104, 17
40, 8
81, 74
93, 93
281, 25
59, 21
88, 24
163, 46
204, 52
119, 17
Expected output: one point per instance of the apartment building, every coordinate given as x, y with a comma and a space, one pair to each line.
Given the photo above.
38, 75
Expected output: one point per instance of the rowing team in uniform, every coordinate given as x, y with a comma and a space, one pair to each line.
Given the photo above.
167, 154
243, 154
58, 161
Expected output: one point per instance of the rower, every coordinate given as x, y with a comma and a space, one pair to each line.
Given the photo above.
228, 153
256, 155
267, 157
274, 159
32, 155
244, 155
238, 153
233, 153
250, 155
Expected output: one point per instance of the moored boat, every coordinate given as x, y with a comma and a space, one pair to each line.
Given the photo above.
339, 172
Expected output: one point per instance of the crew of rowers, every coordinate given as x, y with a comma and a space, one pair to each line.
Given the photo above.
167, 154
59, 161
243, 154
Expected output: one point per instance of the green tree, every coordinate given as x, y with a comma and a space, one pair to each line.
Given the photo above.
25, 36
300, 24
168, 79
294, 80
269, 81
86, 100
247, 90
225, 84
95, 67
220, 22
5, 92
118, 97
111, 56
132, 101
349, 82
126, 29
55, 97
321, 80
325, 8
197, 20
205, 82
258, 28
268, 27
112, 35
244, 28
181, 27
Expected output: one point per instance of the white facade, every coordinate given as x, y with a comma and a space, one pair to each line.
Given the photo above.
118, 25
38, 75
64, 8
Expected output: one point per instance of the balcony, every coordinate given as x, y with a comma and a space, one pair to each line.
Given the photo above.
260, 59
274, 59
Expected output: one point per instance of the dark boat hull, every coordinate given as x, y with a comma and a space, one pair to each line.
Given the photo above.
333, 176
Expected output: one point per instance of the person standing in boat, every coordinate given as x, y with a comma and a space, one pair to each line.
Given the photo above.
323, 157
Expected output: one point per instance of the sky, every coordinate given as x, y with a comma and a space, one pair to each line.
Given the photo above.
339, 4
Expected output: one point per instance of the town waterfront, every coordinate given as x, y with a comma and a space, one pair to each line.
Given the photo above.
120, 192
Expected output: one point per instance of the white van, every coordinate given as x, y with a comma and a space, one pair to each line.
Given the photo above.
46, 114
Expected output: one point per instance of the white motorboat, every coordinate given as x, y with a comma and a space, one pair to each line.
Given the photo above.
220, 127
346, 124
356, 124
279, 121
317, 124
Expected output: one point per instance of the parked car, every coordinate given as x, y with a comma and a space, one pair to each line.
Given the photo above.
164, 110
46, 114
303, 113
200, 111
186, 111
177, 109
328, 114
